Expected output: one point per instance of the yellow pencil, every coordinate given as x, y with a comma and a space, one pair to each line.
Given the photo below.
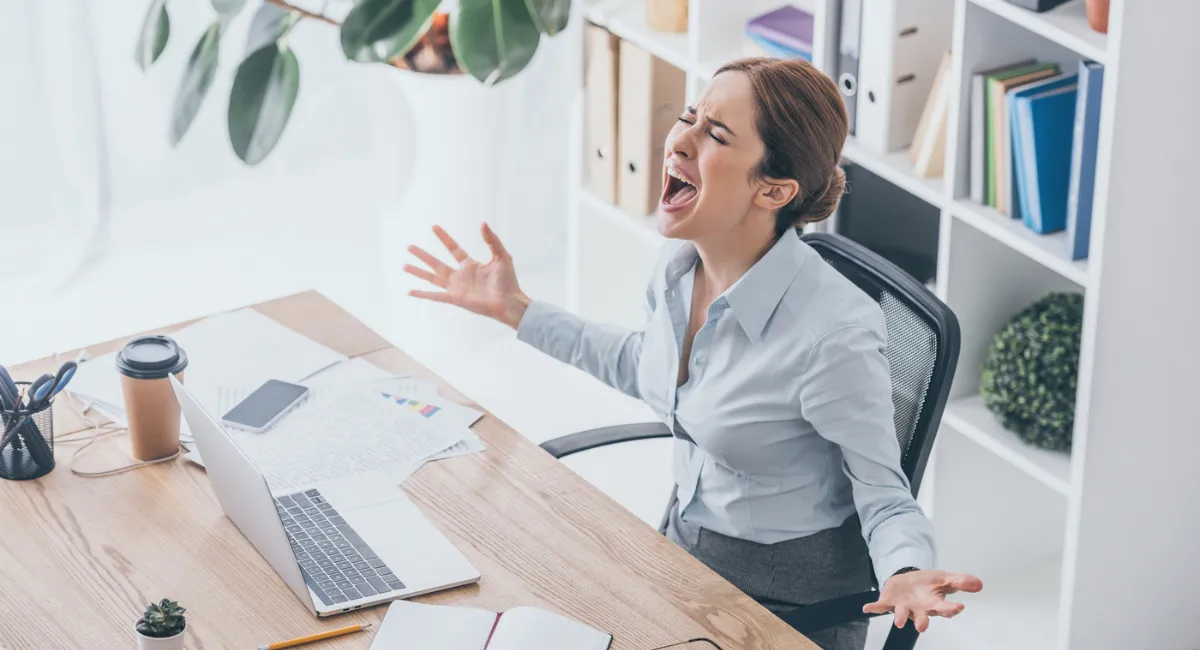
315, 637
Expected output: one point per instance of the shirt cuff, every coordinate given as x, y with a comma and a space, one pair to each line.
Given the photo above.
888, 565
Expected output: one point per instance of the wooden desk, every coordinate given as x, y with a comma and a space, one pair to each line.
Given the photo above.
79, 558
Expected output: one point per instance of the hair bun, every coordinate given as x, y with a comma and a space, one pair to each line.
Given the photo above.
818, 207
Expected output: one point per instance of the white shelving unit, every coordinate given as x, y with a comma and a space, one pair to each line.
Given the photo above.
1083, 551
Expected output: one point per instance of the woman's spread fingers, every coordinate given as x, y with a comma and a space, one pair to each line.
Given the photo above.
947, 610
964, 582
877, 607
456, 251
436, 296
436, 280
901, 615
494, 243
436, 265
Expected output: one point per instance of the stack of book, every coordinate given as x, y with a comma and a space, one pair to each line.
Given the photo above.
785, 33
1034, 130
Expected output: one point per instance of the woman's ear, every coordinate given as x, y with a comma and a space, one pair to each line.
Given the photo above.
774, 193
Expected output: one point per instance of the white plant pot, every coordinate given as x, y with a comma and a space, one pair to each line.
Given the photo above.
460, 143
166, 643
453, 150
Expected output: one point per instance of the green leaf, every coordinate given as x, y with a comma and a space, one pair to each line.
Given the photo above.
228, 7
269, 24
156, 28
379, 30
493, 39
197, 77
550, 16
264, 91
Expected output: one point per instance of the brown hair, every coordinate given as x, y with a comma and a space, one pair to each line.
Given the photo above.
803, 124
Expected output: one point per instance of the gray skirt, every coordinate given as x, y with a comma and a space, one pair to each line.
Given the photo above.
788, 574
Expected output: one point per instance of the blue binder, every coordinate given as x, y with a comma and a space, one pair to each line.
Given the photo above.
1047, 124
1016, 206
778, 50
1083, 159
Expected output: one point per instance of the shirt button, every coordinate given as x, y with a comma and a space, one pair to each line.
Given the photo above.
699, 361
670, 293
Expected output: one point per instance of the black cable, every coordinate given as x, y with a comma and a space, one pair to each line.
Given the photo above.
683, 643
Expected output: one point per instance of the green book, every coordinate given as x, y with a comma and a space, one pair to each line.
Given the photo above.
994, 117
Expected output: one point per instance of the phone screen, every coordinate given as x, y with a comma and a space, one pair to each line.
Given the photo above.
265, 404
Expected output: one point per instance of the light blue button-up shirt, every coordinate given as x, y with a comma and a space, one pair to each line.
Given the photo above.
784, 427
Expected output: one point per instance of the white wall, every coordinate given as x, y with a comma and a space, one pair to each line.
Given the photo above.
195, 217
350, 134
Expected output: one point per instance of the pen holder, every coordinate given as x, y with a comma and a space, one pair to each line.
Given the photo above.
27, 442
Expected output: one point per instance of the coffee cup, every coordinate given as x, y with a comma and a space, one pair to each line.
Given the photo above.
146, 365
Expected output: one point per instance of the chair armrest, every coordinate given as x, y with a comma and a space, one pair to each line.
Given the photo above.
585, 440
847, 609
828, 613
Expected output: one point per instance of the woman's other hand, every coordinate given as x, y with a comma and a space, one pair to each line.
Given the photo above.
921, 594
486, 288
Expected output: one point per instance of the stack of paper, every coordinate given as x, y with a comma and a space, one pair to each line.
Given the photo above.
357, 418
243, 348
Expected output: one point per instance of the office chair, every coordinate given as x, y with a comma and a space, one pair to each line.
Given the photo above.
922, 350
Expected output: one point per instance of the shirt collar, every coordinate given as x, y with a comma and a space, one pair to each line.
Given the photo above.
754, 297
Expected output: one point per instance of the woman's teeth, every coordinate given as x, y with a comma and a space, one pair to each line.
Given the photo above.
679, 191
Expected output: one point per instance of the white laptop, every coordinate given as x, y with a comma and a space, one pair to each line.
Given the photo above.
341, 544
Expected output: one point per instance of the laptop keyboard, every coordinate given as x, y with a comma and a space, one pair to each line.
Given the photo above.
337, 564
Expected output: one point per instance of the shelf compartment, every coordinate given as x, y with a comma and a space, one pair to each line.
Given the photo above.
992, 521
897, 169
1066, 25
969, 417
896, 224
721, 28
1049, 250
627, 20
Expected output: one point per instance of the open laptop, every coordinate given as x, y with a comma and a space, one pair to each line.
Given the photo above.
341, 544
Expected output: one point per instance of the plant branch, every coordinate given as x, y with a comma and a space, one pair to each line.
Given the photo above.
398, 62
305, 13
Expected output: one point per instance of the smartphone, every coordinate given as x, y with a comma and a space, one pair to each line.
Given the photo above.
265, 405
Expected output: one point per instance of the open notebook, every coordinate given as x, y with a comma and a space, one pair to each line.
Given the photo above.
409, 625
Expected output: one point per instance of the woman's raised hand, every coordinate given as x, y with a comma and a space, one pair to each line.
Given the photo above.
920, 595
486, 288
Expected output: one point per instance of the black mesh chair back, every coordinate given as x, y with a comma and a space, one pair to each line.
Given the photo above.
923, 342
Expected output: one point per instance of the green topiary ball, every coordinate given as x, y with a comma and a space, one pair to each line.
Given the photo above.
1031, 368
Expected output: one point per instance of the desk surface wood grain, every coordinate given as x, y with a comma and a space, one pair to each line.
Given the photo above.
79, 557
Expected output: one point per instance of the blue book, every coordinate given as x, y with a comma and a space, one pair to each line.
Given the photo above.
1083, 159
1048, 121
1023, 161
1016, 206
778, 50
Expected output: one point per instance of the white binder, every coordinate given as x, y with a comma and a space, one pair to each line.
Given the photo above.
902, 42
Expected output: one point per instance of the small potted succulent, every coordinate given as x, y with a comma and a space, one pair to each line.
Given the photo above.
161, 626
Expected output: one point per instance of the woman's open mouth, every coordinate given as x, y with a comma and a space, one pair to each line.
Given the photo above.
677, 191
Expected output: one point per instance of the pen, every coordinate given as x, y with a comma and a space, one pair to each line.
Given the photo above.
315, 637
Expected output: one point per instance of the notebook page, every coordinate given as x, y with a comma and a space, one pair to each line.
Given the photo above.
413, 626
530, 628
